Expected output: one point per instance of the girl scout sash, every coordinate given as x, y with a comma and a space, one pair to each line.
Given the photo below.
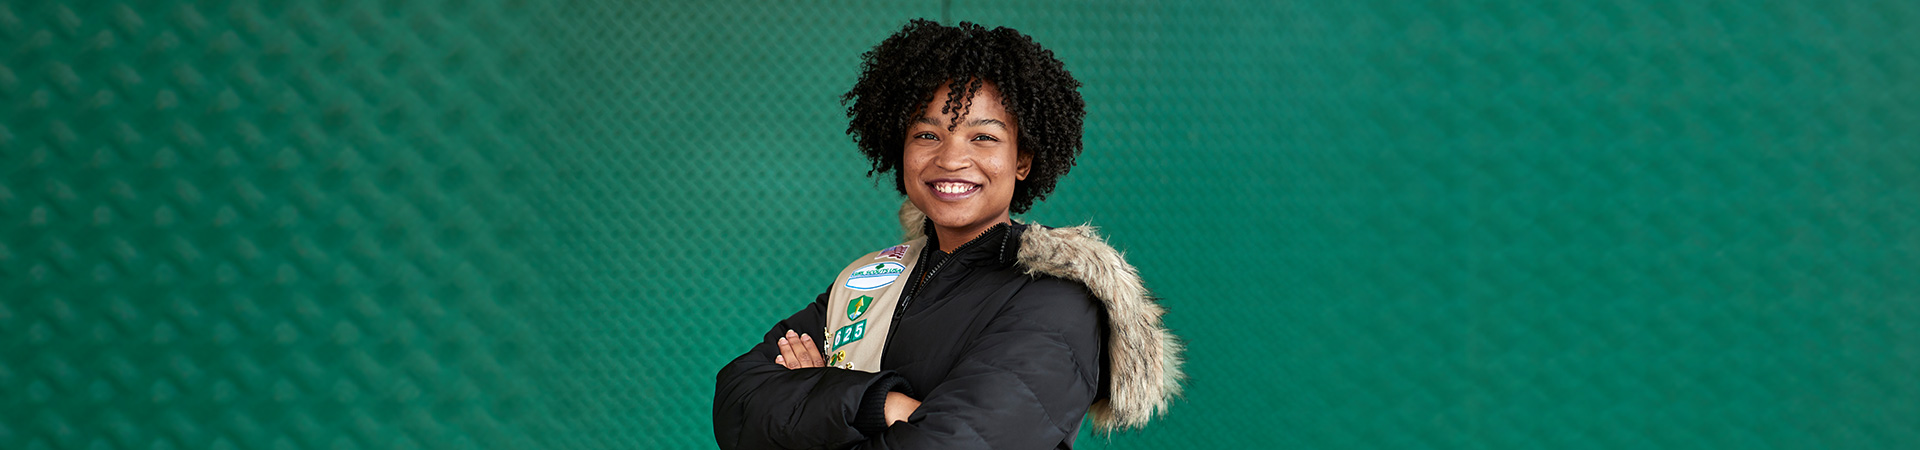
861, 304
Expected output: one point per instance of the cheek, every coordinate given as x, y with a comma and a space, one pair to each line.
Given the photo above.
1005, 166
911, 162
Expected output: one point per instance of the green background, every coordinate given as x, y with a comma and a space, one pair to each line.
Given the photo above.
1378, 224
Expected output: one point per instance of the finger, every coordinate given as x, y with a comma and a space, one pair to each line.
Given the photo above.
785, 358
819, 355
797, 351
811, 352
786, 349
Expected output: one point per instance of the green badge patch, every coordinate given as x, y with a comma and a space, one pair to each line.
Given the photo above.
849, 333
858, 307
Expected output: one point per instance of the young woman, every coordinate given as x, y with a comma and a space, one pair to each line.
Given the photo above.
978, 331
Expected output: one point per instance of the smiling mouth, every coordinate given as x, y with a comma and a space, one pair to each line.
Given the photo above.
953, 190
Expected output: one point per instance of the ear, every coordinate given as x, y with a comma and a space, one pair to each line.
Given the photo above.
1024, 165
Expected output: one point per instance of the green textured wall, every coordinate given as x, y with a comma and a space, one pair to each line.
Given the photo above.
1379, 224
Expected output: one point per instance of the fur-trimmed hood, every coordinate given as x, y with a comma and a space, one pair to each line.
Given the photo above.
1144, 357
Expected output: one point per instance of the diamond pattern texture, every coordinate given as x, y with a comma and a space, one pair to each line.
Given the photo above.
1379, 224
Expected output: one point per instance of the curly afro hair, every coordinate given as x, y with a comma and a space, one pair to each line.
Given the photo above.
900, 76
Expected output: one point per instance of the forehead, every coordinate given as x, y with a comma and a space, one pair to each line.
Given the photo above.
985, 103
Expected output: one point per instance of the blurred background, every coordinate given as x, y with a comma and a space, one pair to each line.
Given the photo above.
460, 224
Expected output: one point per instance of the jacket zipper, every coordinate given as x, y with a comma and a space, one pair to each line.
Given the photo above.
900, 311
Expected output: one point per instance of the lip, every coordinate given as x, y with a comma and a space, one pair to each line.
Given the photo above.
950, 197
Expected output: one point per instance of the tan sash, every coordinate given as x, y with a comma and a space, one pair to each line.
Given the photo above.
861, 304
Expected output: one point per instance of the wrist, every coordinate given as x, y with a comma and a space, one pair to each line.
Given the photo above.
872, 418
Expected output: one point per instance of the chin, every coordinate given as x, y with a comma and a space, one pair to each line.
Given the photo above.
945, 217
942, 214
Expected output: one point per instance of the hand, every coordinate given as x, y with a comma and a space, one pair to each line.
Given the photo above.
797, 351
900, 407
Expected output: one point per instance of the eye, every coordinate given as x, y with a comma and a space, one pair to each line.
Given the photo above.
984, 137
925, 135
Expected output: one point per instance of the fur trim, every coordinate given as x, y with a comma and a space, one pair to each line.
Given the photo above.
1143, 356
912, 221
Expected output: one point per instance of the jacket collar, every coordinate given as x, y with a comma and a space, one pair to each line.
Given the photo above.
1143, 356
999, 246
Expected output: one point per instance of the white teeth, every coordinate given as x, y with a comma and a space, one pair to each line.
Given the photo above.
952, 188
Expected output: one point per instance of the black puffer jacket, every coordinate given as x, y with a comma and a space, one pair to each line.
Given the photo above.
1007, 345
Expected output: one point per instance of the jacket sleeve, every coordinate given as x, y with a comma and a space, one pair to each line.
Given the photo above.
759, 404
1024, 383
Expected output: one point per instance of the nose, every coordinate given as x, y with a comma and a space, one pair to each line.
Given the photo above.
953, 156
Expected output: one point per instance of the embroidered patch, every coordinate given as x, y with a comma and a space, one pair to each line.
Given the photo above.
858, 307
874, 276
895, 252
848, 334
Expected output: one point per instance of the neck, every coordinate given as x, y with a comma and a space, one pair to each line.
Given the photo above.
952, 238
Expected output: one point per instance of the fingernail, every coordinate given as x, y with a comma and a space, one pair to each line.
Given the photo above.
789, 332
783, 341
807, 337
782, 359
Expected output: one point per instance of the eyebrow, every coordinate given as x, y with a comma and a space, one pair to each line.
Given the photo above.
929, 120
984, 122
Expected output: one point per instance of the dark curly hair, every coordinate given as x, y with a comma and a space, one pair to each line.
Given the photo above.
899, 77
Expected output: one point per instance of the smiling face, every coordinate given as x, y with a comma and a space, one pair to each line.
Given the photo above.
963, 178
